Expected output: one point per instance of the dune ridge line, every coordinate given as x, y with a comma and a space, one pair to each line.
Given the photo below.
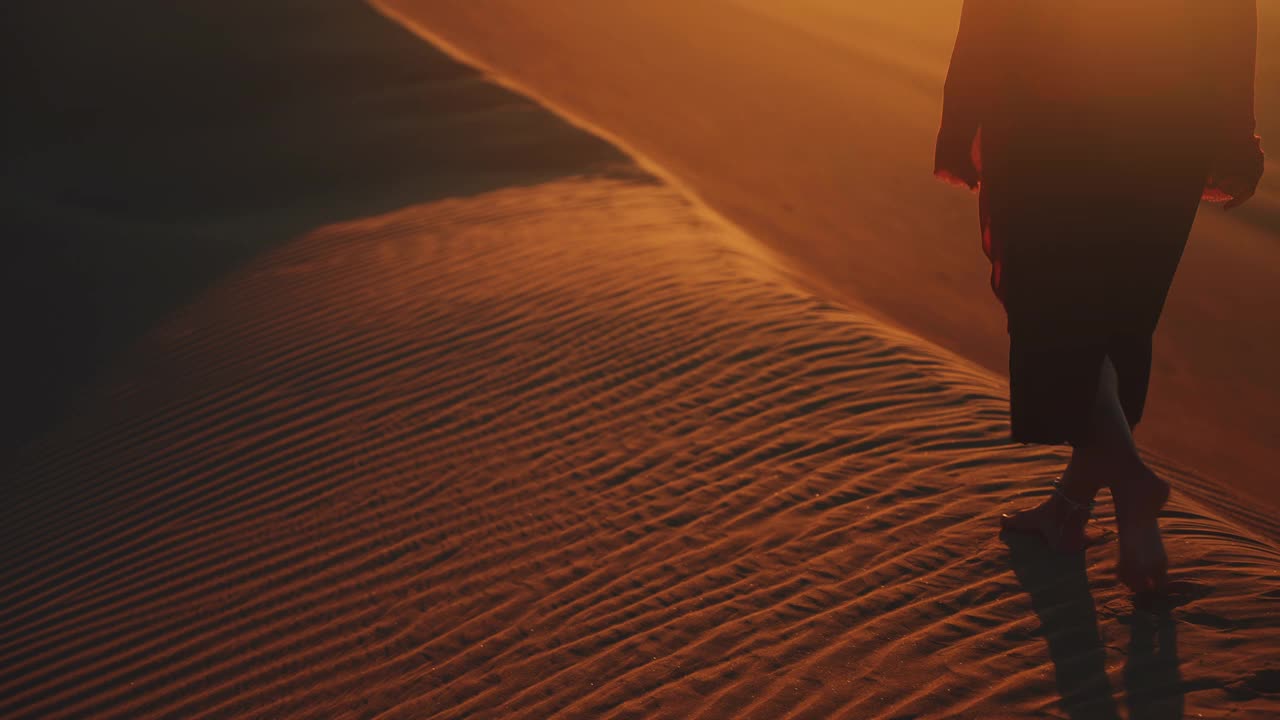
571, 447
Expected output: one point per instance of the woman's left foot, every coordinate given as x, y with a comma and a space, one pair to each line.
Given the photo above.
1060, 520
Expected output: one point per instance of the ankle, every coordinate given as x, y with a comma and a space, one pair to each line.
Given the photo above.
1077, 490
1077, 499
1139, 496
1142, 487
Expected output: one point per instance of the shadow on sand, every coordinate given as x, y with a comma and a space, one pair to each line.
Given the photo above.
1059, 589
157, 145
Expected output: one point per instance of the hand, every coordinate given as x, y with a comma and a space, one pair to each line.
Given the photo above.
960, 177
958, 158
1238, 169
1238, 188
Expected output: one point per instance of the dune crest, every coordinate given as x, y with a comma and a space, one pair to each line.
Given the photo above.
570, 451
811, 124
485, 421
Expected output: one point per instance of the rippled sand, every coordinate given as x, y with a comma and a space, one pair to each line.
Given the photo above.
574, 447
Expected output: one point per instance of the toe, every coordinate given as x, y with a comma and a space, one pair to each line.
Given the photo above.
1028, 520
1010, 521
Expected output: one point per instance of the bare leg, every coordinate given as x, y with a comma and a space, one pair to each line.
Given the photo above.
1111, 457
1108, 457
1063, 517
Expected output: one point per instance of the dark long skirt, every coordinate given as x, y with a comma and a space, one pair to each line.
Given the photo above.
1084, 238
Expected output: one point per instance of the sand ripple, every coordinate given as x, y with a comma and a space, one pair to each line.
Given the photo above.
574, 450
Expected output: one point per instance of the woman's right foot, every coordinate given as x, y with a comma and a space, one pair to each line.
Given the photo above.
1143, 564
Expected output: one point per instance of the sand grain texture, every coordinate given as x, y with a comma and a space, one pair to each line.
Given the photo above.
571, 447
570, 451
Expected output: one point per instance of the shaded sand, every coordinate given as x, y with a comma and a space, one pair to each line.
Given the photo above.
154, 146
563, 447
575, 451
811, 124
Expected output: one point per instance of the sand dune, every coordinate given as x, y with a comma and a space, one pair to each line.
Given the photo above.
575, 451
155, 146
811, 124
560, 443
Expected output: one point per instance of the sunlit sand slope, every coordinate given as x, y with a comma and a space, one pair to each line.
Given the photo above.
811, 123
574, 450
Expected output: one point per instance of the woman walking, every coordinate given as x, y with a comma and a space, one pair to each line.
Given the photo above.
1092, 129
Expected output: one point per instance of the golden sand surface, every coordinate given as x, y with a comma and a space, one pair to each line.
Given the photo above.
810, 123
473, 417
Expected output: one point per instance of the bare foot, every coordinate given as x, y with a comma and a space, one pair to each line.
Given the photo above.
1059, 520
1143, 565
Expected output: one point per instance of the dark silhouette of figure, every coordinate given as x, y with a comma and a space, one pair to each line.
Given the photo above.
1092, 129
